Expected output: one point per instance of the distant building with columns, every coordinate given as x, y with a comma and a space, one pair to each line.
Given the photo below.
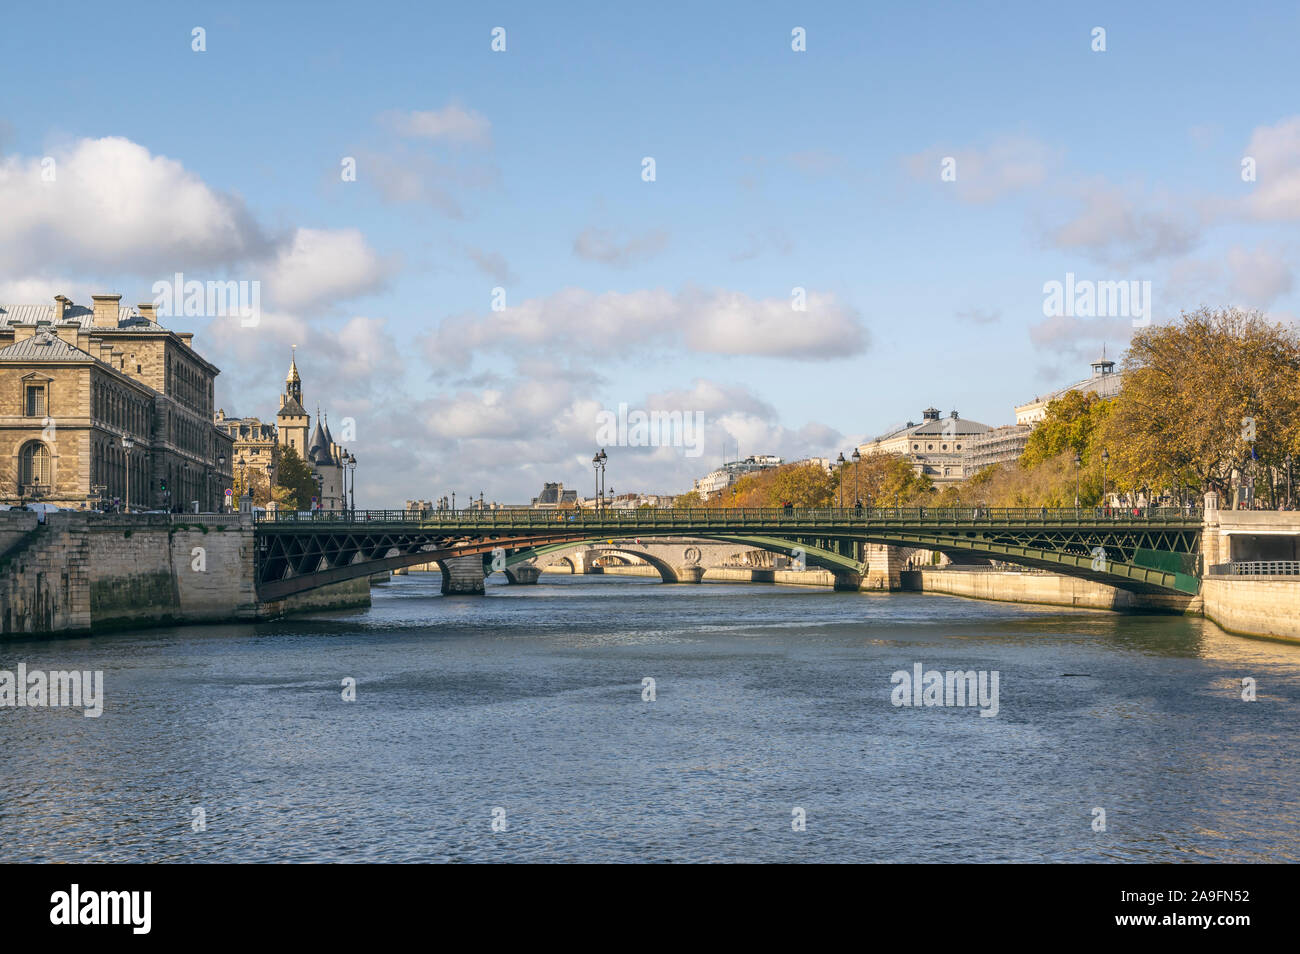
936, 447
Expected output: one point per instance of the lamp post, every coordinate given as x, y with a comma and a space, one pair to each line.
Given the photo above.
598, 465
857, 459
1078, 462
352, 467
840, 462
1105, 461
127, 444
221, 465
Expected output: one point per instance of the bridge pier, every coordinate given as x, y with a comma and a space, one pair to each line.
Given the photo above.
844, 580
883, 568
462, 576
687, 573
523, 574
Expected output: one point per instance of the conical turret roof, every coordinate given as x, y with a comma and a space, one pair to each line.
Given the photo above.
318, 448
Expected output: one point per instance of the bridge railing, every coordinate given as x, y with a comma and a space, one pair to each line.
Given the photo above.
1257, 568
742, 517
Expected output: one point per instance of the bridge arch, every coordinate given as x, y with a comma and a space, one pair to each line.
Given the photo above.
1142, 551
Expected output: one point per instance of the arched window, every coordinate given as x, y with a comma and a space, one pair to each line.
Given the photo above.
34, 464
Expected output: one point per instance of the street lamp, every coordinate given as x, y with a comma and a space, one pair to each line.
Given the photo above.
1105, 460
127, 444
1078, 461
352, 468
857, 459
598, 465
221, 465
840, 461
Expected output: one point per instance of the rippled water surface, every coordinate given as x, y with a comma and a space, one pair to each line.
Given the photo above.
768, 698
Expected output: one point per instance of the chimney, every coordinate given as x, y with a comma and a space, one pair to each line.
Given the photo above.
148, 310
61, 304
107, 310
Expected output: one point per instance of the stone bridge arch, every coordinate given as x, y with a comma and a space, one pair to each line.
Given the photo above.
684, 559
577, 557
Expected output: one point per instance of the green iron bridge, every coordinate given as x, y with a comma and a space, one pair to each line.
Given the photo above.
1146, 550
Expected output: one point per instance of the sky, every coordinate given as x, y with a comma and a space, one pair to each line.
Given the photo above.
855, 212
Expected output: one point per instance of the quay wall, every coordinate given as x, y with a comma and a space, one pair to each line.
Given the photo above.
1268, 606
80, 573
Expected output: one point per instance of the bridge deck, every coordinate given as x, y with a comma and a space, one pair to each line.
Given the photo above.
822, 519
1140, 548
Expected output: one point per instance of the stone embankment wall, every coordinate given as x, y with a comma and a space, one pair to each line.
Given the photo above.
1051, 589
81, 572
1254, 607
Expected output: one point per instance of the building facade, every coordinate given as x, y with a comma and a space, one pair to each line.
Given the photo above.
716, 481
1105, 382
554, 495
102, 407
997, 445
259, 446
936, 447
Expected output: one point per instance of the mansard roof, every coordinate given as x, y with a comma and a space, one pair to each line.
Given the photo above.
128, 318
44, 346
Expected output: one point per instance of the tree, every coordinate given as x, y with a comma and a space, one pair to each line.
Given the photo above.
1071, 425
885, 478
1214, 392
296, 480
254, 478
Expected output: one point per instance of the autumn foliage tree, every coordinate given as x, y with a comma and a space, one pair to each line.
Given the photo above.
1214, 392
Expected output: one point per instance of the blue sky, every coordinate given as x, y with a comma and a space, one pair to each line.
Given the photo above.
521, 169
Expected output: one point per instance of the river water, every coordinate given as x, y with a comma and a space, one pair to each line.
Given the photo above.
772, 705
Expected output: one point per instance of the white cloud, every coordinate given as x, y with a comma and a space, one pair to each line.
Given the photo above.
1276, 151
1258, 277
1008, 165
574, 320
322, 266
114, 207
452, 124
601, 245
493, 264
1116, 225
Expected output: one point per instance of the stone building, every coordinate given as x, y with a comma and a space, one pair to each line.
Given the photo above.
95, 398
1105, 382
554, 495
256, 446
260, 445
936, 447
716, 481
997, 445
